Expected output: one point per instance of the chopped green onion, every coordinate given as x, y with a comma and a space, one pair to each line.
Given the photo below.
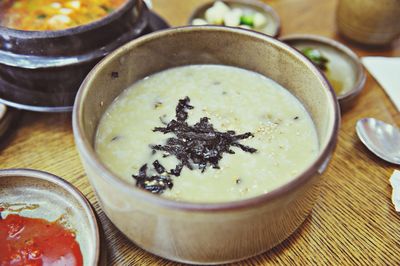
316, 57
247, 20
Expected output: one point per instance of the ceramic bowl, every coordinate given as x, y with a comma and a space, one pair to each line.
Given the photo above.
273, 24
42, 70
369, 22
38, 194
195, 232
344, 67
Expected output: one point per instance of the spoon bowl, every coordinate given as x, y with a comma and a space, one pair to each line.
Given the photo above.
380, 138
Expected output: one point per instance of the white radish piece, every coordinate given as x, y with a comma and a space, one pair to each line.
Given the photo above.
199, 22
259, 20
232, 19
216, 13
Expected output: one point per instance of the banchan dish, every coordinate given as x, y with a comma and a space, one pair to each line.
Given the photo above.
40, 195
343, 68
271, 26
212, 232
42, 70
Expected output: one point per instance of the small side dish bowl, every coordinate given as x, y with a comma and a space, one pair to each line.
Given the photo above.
42, 70
272, 26
344, 68
205, 233
38, 194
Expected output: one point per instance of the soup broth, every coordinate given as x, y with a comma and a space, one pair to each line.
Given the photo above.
41, 15
229, 132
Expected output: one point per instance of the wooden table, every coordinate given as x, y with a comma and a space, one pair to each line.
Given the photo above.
353, 222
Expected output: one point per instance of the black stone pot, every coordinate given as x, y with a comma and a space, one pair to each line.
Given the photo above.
42, 70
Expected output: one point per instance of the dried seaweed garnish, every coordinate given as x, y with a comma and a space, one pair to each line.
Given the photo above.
195, 146
199, 144
156, 184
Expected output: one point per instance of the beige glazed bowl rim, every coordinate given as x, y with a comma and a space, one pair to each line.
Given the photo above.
89, 155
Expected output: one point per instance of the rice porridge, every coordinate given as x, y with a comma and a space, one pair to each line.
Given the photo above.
206, 133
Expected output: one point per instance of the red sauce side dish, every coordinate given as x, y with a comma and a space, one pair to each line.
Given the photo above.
37, 242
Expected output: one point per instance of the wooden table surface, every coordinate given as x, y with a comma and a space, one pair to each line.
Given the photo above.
353, 222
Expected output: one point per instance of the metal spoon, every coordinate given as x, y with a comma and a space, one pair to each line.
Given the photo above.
380, 138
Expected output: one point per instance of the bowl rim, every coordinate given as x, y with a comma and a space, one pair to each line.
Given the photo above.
251, 3
88, 153
87, 209
360, 73
98, 23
